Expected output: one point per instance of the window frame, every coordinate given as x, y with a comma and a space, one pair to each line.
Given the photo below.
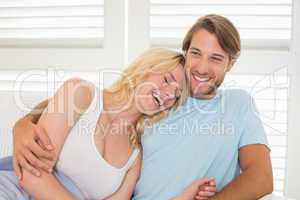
293, 151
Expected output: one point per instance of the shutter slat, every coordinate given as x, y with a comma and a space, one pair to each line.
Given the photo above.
269, 22
257, 21
222, 2
278, 163
49, 3
72, 32
53, 21
48, 12
252, 10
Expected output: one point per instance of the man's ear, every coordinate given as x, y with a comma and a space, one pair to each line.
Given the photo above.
228, 68
230, 65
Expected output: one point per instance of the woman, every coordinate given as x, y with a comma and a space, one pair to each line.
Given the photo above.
100, 131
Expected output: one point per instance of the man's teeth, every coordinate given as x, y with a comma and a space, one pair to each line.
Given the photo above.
201, 79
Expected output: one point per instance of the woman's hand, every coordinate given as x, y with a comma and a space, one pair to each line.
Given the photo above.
200, 189
206, 190
30, 145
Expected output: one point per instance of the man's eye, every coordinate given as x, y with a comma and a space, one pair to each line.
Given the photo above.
217, 59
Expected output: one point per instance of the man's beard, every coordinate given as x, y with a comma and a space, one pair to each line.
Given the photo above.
208, 93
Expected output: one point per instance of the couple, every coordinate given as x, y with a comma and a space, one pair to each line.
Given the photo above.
110, 159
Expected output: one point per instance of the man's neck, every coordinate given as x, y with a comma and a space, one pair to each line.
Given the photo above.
205, 96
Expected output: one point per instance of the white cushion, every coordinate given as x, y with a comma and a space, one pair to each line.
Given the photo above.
273, 197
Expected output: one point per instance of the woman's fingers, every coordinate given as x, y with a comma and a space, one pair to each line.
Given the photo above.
33, 160
212, 183
200, 198
17, 168
25, 165
209, 189
206, 193
205, 181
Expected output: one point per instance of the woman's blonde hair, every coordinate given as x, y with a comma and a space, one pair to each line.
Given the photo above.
154, 60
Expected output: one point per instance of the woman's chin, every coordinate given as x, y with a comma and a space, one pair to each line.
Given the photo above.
150, 111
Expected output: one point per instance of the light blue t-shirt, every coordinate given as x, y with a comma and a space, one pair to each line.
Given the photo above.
199, 139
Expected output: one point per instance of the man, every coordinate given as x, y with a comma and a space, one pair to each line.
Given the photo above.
216, 133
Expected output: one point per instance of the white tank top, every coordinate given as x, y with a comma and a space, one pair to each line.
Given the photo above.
83, 164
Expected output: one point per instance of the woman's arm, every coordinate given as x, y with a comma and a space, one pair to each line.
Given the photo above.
126, 190
62, 112
45, 187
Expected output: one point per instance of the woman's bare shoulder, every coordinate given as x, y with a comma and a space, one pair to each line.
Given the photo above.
81, 92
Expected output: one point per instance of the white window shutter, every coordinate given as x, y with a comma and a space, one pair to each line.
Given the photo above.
256, 20
55, 22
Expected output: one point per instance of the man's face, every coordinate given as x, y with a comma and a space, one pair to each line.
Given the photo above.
206, 64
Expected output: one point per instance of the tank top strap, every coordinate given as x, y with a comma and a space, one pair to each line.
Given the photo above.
132, 158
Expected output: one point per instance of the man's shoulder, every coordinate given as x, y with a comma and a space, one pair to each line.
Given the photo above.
236, 97
237, 93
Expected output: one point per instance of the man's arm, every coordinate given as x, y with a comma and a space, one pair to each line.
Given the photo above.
30, 143
36, 112
256, 179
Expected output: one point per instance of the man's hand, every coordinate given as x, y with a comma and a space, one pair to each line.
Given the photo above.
30, 145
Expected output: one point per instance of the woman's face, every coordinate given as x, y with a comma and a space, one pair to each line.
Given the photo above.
159, 91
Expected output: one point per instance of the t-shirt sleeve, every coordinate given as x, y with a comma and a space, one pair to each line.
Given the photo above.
252, 130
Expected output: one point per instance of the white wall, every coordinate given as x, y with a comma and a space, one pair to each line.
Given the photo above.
293, 161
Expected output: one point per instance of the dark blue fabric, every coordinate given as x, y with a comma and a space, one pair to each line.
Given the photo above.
6, 163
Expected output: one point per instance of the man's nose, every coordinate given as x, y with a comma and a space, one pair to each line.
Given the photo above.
202, 66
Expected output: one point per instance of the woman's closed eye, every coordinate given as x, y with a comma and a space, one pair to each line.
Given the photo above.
166, 80
195, 53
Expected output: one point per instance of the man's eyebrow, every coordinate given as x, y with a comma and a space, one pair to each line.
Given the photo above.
214, 54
